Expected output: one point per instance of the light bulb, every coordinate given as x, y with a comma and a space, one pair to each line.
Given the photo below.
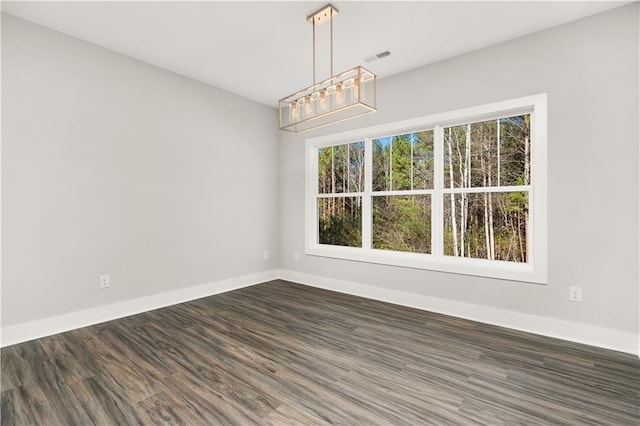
355, 89
339, 98
293, 111
308, 106
322, 100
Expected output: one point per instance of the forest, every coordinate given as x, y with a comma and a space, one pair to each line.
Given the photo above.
485, 190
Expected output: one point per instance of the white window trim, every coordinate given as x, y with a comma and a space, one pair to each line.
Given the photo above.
535, 271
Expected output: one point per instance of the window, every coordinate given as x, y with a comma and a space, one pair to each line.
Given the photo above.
486, 188
402, 179
340, 191
462, 192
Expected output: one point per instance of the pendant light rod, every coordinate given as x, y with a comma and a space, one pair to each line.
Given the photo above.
318, 17
331, 43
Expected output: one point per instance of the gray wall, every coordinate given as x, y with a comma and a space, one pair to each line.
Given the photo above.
110, 165
589, 68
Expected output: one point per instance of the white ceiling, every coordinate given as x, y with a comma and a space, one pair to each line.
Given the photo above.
262, 50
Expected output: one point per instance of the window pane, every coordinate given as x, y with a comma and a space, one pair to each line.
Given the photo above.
487, 225
423, 160
341, 168
403, 162
356, 167
382, 151
488, 153
402, 223
456, 157
515, 150
484, 158
340, 221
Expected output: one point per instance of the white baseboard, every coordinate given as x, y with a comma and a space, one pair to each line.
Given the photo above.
575, 332
59, 324
566, 330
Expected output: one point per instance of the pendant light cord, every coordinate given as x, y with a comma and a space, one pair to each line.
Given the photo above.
314, 50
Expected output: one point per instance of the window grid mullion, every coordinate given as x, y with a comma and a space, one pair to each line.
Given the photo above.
367, 207
403, 192
437, 206
340, 195
484, 189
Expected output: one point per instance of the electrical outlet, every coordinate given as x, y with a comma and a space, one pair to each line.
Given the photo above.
296, 255
575, 294
266, 255
104, 281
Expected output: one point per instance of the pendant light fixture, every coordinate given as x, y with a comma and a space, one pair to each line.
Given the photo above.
342, 96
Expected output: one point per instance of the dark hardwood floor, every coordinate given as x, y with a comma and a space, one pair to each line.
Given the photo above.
282, 353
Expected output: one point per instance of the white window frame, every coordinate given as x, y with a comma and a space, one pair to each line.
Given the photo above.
534, 271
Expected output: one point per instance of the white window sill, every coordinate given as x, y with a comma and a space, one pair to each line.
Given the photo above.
467, 266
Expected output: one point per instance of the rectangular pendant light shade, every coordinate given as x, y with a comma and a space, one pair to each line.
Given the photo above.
343, 96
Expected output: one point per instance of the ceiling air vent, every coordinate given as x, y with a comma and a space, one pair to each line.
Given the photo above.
377, 56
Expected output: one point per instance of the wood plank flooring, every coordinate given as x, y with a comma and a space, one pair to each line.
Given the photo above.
280, 353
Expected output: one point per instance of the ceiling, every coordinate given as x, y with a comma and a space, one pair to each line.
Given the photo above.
263, 50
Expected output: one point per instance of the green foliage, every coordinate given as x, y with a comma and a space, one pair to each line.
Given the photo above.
341, 168
341, 230
402, 223
403, 162
508, 222
340, 221
517, 202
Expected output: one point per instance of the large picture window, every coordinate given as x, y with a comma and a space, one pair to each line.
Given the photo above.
462, 192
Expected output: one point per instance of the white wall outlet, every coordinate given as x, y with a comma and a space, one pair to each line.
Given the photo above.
104, 281
266, 255
296, 255
575, 294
